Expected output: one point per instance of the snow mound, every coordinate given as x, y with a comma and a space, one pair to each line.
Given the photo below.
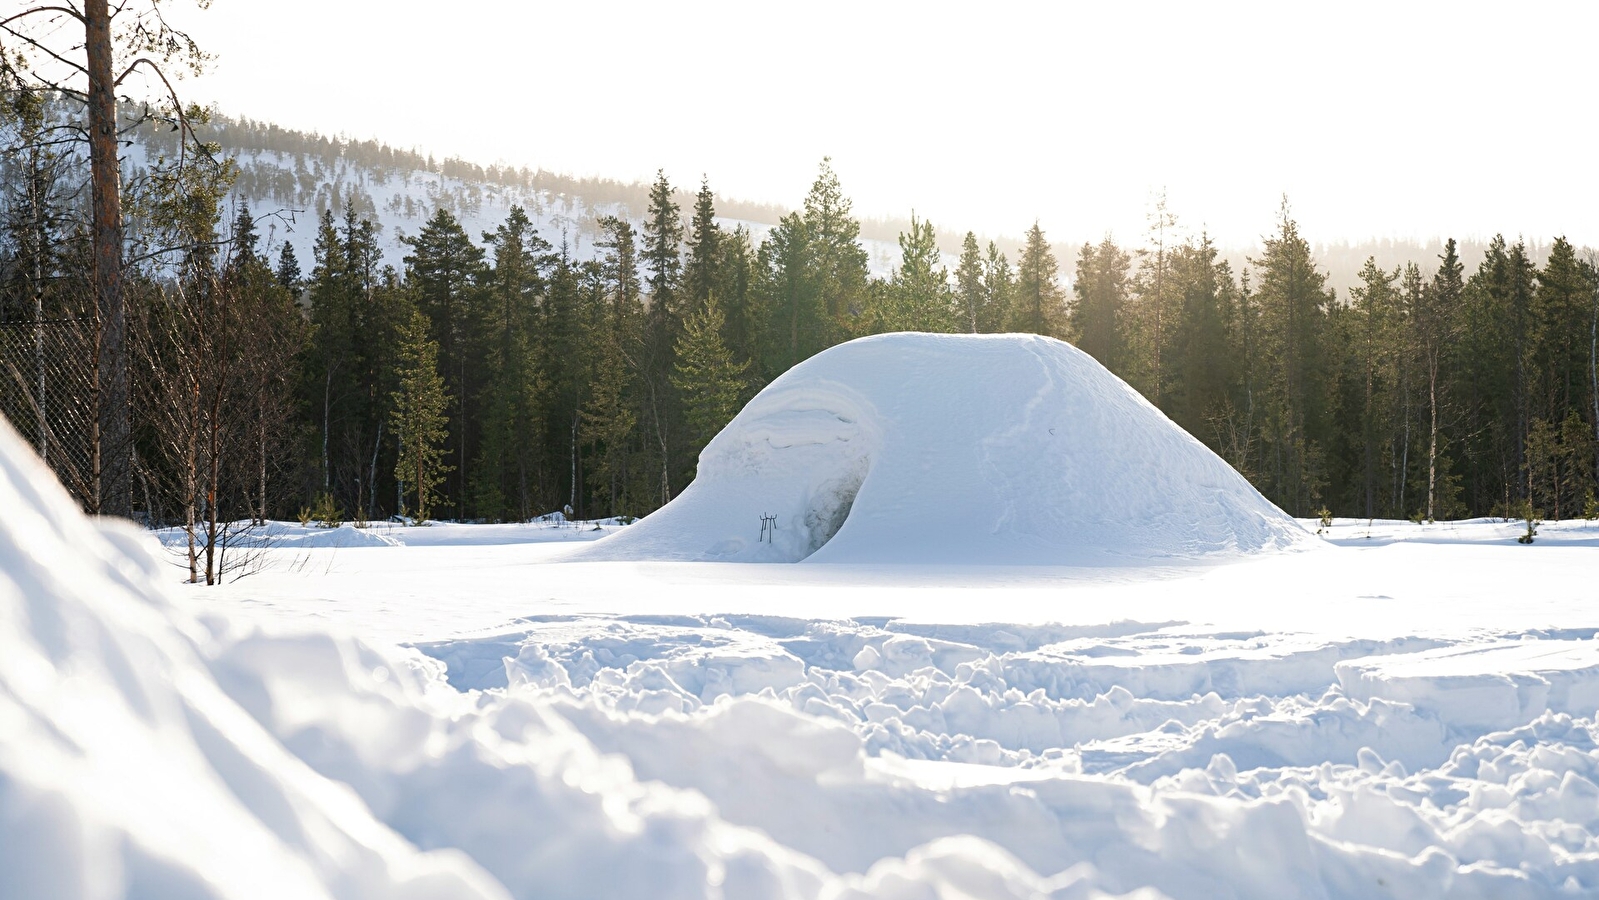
955, 449
125, 769
1496, 685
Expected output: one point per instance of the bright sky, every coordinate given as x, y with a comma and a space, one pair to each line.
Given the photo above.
1377, 119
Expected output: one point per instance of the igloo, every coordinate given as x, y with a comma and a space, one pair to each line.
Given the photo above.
956, 449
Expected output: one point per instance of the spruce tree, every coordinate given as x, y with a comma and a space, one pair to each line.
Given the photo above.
506, 471
735, 291
1374, 320
288, 269
445, 270
969, 284
418, 416
1293, 300
1156, 305
1497, 331
838, 261
998, 288
711, 379
917, 297
607, 424
663, 252
1560, 340
1039, 304
794, 313
1434, 325
1204, 358
702, 274
1096, 318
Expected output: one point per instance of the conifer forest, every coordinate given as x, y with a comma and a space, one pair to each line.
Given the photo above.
502, 375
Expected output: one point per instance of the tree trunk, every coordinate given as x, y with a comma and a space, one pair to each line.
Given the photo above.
1593, 374
191, 487
113, 490
372, 475
1432, 439
327, 425
261, 444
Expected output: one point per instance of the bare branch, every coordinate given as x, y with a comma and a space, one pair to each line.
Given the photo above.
43, 49
39, 9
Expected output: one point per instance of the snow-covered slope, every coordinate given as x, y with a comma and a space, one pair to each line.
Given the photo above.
125, 770
956, 449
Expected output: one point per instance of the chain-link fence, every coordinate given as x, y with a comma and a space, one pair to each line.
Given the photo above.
47, 391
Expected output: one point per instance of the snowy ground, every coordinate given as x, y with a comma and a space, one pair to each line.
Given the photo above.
1408, 711
1212, 702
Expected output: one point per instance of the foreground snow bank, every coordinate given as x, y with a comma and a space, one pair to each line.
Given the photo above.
1227, 766
125, 770
922, 448
151, 751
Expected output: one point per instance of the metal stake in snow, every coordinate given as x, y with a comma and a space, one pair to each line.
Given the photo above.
768, 528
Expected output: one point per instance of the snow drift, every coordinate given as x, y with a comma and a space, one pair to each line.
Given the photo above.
940, 449
150, 750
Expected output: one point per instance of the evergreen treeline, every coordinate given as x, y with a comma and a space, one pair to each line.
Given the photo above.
496, 376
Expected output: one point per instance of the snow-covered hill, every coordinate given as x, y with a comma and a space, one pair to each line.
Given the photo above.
288, 190
951, 449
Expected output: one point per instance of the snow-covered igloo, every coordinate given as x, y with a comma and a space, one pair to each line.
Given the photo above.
955, 449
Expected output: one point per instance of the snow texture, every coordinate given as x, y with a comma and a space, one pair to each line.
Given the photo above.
951, 449
1368, 719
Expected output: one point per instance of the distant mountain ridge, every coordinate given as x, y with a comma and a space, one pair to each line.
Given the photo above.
289, 177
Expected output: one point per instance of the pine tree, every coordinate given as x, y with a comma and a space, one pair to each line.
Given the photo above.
1293, 300
998, 288
917, 297
702, 275
1374, 310
1205, 350
418, 416
839, 272
288, 270
617, 393
1039, 305
1559, 339
445, 269
969, 284
794, 312
1498, 327
711, 379
1434, 325
735, 290
663, 254
1156, 306
607, 423
331, 382
506, 471
1096, 318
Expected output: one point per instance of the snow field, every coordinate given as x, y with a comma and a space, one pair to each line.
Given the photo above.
1361, 796
156, 747
1051, 655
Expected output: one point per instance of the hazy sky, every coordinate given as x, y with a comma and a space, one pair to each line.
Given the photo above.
1381, 119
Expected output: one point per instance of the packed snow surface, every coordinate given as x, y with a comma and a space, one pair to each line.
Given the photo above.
454, 712
931, 448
